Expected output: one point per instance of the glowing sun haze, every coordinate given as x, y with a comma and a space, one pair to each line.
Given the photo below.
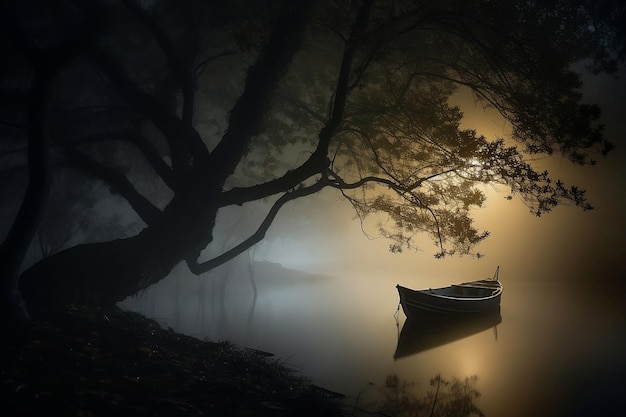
566, 243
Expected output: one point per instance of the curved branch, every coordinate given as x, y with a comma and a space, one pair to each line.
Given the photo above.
155, 160
168, 123
303, 106
152, 156
241, 195
401, 190
47, 64
118, 183
394, 185
199, 268
183, 74
343, 81
197, 71
377, 159
340, 184
250, 109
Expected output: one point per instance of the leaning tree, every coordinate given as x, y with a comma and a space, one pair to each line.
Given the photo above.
227, 103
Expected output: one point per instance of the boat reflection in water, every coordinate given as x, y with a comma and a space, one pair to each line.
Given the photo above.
426, 331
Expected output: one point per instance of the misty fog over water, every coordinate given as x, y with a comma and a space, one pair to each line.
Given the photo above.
558, 349
326, 300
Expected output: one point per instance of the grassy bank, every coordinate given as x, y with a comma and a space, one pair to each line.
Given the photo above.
99, 362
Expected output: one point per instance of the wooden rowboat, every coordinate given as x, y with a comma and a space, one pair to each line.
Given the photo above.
466, 298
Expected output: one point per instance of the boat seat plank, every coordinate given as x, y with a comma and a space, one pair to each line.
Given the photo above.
483, 287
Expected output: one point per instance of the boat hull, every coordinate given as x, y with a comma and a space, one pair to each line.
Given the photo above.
469, 298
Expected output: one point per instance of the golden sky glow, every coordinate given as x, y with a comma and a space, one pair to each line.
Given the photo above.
564, 244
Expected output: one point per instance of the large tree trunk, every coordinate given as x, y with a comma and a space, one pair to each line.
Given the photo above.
107, 272
47, 62
104, 273
21, 233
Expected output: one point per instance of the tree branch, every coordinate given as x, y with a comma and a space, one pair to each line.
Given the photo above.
401, 190
241, 195
155, 160
171, 126
47, 63
318, 161
343, 81
118, 183
149, 152
247, 115
199, 68
182, 71
199, 268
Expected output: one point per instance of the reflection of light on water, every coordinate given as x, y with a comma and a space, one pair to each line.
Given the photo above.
340, 332
468, 362
472, 354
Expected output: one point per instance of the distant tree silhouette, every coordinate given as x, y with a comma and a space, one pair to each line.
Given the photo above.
213, 98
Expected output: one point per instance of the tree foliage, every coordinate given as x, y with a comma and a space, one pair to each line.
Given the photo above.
224, 103
399, 143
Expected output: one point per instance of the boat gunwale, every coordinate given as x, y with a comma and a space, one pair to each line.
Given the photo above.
497, 291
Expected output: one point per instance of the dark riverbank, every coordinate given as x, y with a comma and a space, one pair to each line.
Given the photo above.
100, 362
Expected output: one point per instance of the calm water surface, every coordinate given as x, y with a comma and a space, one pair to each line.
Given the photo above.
556, 349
